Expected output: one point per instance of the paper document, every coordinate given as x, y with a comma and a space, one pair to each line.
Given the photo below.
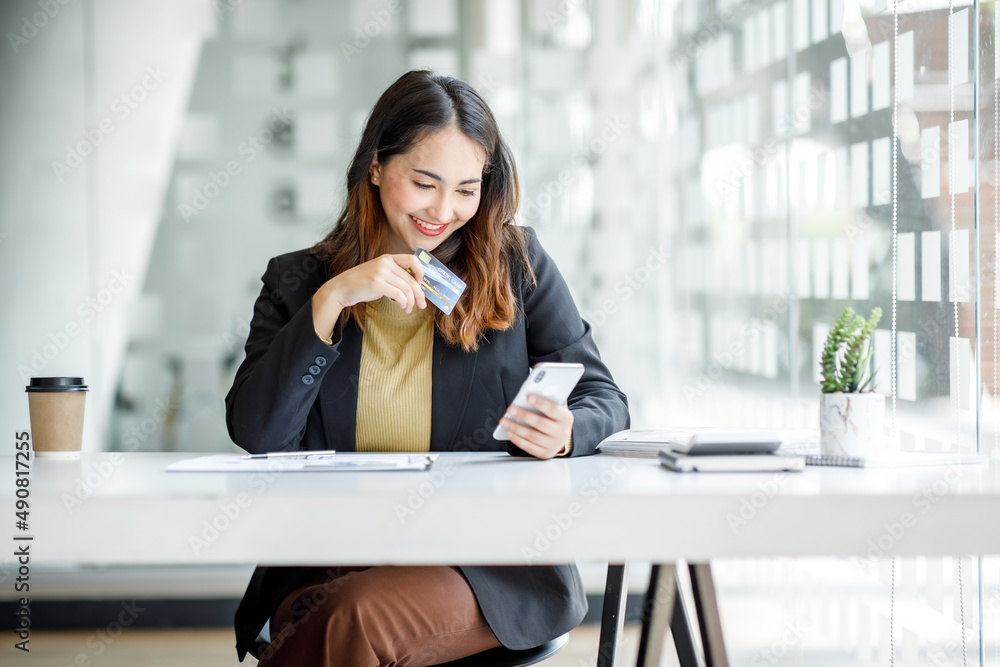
340, 462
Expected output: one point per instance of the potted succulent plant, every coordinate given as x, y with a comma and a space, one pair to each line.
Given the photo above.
850, 413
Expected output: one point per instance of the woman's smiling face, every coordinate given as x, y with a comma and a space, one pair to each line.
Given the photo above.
430, 191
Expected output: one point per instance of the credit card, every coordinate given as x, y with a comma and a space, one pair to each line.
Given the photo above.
440, 286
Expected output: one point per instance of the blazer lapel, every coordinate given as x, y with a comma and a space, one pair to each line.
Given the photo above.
339, 393
451, 384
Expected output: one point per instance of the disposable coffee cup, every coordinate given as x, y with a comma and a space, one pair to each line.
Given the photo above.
56, 406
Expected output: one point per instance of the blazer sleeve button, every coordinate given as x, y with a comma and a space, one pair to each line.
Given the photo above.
308, 379
320, 361
315, 370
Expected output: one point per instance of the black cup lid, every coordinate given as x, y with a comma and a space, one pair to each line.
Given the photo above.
56, 384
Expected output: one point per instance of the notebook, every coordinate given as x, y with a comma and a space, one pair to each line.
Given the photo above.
894, 459
730, 462
708, 440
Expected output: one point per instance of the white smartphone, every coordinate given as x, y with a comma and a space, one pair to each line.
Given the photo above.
548, 379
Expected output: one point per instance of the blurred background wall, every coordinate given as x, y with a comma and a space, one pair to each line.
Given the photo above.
93, 107
165, 151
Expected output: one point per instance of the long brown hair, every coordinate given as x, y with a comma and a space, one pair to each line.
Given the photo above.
482, 250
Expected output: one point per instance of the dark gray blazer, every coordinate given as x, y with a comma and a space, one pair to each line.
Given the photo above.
295, 392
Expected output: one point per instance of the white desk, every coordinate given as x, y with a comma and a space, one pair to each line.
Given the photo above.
487, 508
493, 509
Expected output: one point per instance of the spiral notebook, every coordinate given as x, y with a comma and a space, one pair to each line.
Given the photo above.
894, 459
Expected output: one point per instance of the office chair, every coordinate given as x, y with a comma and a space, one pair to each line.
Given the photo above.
497, 657
611, 624
504, 657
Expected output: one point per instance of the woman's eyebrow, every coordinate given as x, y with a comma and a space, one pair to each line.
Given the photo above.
437, 178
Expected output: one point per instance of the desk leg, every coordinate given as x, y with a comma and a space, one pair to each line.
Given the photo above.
613, 617
664, 612
707, 606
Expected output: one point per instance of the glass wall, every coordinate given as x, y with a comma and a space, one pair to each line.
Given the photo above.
833, 153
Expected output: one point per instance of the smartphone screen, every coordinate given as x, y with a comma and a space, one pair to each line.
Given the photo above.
551, 380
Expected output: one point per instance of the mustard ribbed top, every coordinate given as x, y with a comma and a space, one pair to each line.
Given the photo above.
394, 390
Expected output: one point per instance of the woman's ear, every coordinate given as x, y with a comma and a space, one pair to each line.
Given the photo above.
375, 171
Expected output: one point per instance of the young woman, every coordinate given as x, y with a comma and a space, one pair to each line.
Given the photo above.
344, 353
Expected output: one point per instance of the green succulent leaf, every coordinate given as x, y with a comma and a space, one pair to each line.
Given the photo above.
850, 339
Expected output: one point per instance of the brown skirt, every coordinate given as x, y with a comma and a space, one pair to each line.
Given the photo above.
387, 616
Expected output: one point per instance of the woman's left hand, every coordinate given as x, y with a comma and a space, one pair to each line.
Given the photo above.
543, 436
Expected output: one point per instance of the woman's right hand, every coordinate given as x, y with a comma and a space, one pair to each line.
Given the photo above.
385, 275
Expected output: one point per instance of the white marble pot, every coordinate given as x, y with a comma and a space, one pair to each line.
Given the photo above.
851, 424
